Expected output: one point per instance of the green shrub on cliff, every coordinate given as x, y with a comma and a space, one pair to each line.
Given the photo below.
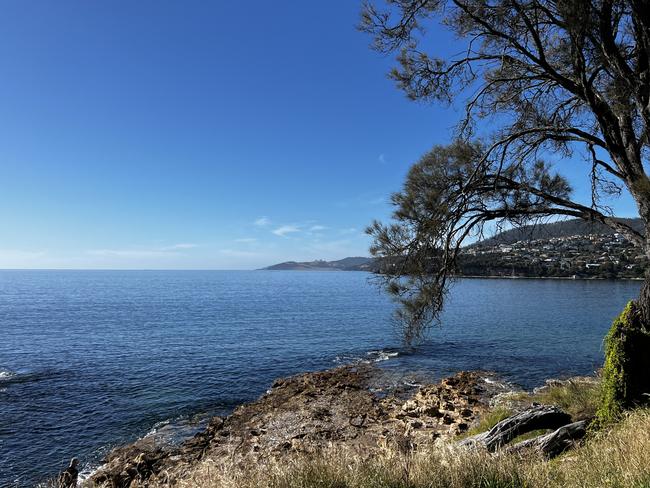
626, 372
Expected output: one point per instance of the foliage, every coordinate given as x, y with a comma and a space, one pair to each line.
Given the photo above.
445, 197
560, 78
626, 373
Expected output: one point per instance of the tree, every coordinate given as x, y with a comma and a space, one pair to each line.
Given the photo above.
567, 79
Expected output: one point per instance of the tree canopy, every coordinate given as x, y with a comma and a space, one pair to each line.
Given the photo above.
567, 78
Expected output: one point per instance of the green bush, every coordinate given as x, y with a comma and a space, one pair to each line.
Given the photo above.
626, 372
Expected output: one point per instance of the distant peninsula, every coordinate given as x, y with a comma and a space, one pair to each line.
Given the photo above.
566, 249
346, 264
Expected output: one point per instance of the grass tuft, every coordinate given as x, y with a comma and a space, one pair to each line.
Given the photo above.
578, 398
487, 421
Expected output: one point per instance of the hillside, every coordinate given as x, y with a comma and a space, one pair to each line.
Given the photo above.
565, 228
571, 249
345, 264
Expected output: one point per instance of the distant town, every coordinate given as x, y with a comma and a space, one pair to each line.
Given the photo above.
608, 256
565, 249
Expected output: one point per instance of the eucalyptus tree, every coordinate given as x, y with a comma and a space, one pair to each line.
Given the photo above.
561, 80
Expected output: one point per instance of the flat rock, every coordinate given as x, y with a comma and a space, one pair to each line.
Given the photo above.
306, 413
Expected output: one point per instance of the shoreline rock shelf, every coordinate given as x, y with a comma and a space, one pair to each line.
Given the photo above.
306, 413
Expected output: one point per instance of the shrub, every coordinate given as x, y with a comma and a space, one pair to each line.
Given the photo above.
626, 372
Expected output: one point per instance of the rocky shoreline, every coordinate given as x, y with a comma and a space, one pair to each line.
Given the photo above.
308, 412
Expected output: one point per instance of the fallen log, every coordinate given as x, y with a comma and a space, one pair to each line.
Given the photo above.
534, 418
555, 443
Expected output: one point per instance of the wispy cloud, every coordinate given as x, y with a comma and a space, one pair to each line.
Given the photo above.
132, 253
144, 253
18, 254
246, 240
182, 245
262, 222
284, 230
349, 230
382, 158
317, 228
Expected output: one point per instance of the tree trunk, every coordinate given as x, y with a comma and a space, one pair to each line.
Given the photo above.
639, 349
555, 443
536, 417
643, 301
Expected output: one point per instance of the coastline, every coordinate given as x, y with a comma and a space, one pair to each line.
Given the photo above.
307, 413
473, 277
569, 278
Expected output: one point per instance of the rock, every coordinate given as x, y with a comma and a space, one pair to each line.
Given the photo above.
136, 462
306, 413
357, 421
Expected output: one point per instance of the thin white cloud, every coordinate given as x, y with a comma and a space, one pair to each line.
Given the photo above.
132, 253
19, 255
382, 158
349, 230
262, 222
285, 230
182, 245
246, 240
144, 253
317, 228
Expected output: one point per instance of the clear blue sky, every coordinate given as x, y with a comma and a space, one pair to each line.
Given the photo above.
218, 135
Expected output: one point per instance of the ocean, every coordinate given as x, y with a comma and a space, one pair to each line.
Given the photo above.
93, 359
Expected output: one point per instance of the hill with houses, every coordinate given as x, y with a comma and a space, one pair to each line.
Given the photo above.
566, 249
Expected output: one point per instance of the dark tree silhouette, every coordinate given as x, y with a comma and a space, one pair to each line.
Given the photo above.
563, 78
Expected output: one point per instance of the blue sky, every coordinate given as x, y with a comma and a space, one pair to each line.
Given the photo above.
216, 135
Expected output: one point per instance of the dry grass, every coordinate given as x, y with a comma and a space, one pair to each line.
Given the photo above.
578, 398
488, 420
616, 458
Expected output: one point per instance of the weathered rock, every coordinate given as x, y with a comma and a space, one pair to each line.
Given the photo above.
555, 443
306, 413
534, 418
135, 462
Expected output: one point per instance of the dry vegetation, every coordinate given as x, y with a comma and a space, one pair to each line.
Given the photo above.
617, 457
579, 397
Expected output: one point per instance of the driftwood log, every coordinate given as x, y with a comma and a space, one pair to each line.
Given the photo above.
534, 418
555, 443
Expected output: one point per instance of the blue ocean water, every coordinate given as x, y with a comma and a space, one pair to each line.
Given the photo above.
92, 359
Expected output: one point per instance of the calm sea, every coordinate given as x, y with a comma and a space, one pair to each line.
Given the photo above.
91, 359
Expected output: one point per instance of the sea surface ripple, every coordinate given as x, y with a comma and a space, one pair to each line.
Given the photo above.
93, 359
